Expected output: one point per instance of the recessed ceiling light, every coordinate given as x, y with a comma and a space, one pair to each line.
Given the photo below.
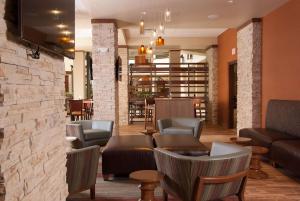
61, 26
213, 16
230, 1
144, 13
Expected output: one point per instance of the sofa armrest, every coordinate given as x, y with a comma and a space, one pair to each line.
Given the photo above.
82, 167
164, 123
75, 130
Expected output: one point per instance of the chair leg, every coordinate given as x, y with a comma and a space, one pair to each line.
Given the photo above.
92, 193
165, 196
241, 197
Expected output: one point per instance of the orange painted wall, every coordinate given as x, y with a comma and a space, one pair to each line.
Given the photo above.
281, 54
226, 41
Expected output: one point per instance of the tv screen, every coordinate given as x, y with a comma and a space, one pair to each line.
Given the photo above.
49, 24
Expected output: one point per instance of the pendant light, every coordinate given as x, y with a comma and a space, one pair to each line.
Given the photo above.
168, 15
142, 26
161, 28
142, 50
160, 41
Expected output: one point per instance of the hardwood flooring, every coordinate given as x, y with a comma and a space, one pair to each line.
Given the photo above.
280, 186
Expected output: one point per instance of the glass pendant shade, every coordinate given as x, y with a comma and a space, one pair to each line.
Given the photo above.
168, 15
142, 27
161, 28
142, 49
160, 41
149, 50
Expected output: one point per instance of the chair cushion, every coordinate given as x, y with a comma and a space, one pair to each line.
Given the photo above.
179, 130
94, 134
287, 154
264, 137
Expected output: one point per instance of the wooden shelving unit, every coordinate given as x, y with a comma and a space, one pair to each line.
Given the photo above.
166, 80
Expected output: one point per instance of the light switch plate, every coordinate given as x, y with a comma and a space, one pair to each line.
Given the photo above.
103, 49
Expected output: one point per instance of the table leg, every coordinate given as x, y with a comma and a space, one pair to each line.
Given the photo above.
255, 171
147, 191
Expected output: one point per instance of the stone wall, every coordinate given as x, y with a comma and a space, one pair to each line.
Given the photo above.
249, 42
32, 124
123, 87
105, 86
212, 60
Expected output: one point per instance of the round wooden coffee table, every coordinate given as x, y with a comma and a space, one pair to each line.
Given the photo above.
255, 171
244, 141
149, 180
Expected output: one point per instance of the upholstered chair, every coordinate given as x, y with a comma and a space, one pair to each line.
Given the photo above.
82, 167
91, 132
218, 175
188, 126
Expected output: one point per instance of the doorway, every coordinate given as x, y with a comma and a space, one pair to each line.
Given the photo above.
232, 119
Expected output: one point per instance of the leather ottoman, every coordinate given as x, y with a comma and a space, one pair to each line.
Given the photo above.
125, 154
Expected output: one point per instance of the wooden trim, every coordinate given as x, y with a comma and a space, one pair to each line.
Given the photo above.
253, 20
122, 46
211, 46
202, 181
98, 21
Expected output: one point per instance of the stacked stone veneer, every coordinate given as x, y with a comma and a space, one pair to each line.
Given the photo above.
249, 44
32, 124
123, 87
105, 86
212, 60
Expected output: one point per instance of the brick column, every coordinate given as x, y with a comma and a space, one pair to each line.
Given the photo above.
123, 87
105, 86
249, 42
212, 60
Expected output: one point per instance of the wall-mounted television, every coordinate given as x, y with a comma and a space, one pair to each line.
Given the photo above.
49, 24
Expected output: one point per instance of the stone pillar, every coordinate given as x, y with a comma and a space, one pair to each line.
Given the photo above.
249, 42
123, 87
212, 60
79, 77
105, 86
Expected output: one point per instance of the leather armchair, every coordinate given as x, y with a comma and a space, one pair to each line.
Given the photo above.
91, 132
173, 126
223, 173
82, 167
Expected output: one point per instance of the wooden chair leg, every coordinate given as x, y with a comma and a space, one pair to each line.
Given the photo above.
165, 196
241, 197
92, 193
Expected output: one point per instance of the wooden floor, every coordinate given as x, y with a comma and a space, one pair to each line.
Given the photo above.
280, 186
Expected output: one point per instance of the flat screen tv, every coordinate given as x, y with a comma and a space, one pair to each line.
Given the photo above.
49, 24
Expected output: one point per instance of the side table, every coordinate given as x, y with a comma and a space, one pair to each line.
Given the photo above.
149, 132
149, 181
243, 141
255, 171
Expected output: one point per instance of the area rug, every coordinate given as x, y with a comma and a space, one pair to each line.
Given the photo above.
119, 189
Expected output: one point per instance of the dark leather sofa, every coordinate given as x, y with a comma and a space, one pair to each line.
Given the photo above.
281, 135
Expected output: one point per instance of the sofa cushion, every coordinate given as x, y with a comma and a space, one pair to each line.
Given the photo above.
284, 116
287, 154
94, 134
264, 137
179, 130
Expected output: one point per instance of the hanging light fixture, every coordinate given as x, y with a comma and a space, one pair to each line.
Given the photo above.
149, 50
168, 15
154, 33
142, 50
161, 28
160, 41
142, 26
